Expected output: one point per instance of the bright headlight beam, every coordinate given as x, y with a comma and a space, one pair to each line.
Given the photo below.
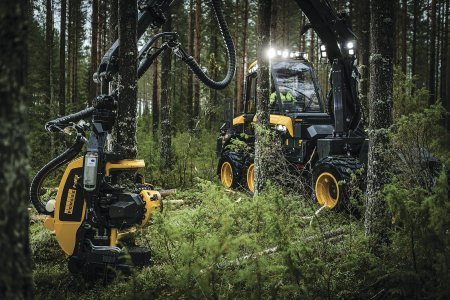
350, 45
271, 53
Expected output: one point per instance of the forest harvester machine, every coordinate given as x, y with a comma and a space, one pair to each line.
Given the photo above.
101, 198
322, 136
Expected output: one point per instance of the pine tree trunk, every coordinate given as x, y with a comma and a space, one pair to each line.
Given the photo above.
213, 69
273, 23
362, 30
444, 48
432, 62
124, 135
94, 50
49, 56
414, 38
237, 31
69, 51
15, 259
190, 85
198, 47
62, 60
166, 128
155, 102
113, 21
447, 83
404, 35
380, 118
243, 64
263, 94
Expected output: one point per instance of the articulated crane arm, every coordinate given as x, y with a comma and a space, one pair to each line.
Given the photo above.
339, 41
152, 15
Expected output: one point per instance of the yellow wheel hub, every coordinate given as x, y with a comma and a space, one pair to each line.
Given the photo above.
251, 178
226, 174
327, 190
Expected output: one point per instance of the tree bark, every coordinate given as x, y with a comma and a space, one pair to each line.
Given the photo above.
414, 39
380, 118
62, 60
444, 48
15, 259
190, 85
198, 47
166, 128
362, 30
263, 94
69, 50
94, 50
124, 135
155, 101
49, 56
404, 35
432, 62
113, 21
243, 64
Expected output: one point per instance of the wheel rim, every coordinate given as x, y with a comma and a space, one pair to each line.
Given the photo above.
327, 190
251, 178
226, 174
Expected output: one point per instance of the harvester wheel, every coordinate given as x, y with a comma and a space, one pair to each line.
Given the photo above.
228, 173
331, 177
249, 177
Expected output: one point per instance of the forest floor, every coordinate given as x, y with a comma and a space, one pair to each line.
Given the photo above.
213, 243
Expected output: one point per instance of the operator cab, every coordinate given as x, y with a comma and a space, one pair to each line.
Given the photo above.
294, 88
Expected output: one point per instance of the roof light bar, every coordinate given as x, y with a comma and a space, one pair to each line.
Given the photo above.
277, 53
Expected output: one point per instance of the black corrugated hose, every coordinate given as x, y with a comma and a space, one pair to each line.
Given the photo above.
231, 52
68, 155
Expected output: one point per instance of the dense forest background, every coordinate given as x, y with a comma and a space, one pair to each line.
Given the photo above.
224, 244
69, 38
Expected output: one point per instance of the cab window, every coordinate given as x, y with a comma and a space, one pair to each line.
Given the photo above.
251, 94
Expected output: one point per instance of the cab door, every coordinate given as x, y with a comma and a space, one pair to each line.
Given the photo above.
250, 102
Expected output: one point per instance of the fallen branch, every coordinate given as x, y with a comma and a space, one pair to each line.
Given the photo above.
175, 202
334, 235
165, 193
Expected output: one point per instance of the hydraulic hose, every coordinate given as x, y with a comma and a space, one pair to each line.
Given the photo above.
65, 157
59, 124
231, 52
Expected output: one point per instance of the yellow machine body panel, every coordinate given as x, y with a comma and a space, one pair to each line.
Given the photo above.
125, 164
238, 120
274, 120
70, 208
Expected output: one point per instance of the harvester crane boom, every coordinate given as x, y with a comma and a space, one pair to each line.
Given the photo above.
335, 33
152, 15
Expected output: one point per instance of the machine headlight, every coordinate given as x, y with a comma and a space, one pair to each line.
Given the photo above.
351, 45
323, 52
271, 53
281, 128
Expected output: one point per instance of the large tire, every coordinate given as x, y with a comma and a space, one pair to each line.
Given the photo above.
229, 170
330, 181
248, 176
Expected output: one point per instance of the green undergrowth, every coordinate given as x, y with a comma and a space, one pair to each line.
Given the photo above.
229, 245
221, 244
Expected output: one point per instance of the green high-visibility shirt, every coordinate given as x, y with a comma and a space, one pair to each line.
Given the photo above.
285, 98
